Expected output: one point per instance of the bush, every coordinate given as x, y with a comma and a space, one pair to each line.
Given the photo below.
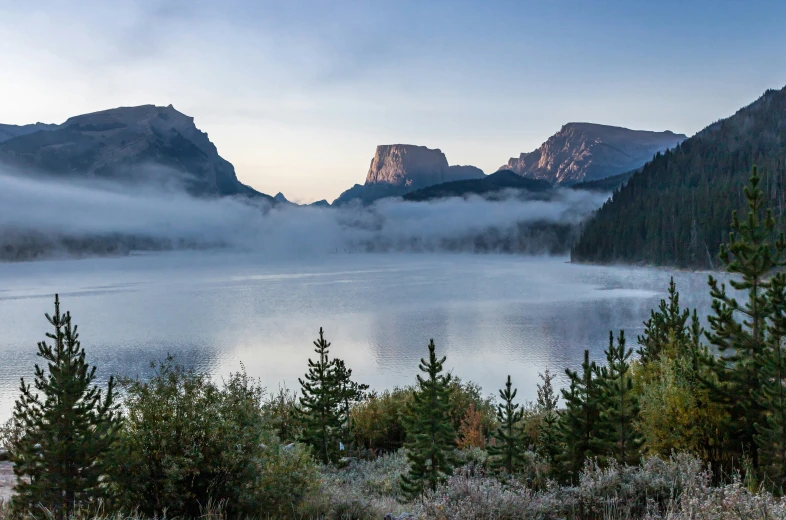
281, 414
186, 441
363, 490
378, 425
677, 489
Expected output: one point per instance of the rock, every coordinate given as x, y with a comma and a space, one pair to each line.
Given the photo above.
582, 152
141, 145
402, 516
415, 166
397, 169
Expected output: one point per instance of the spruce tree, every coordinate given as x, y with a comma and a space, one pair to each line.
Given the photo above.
578, 426
771, 432
431, 437
321, 403
618, 405
69, 427
547, 408
669, 320
507, 454
751, 254
350, 392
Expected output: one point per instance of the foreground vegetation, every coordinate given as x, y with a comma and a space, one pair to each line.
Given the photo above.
693, 426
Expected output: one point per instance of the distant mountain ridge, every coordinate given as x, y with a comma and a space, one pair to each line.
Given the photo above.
677, 209
9, 131
128, 144
494, 183
397, 169
583, 152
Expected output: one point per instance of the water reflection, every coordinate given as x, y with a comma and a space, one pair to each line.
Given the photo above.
491, 315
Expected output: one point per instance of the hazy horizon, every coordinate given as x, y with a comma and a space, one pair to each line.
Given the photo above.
297, 95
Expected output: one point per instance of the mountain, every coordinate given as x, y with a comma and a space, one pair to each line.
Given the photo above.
144, 144
496, 182
279, 197
320, 204
9, 131
397, 169
582, 152
677, 209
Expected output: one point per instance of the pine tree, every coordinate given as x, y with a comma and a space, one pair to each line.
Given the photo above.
350, 392
431, 437
771, 433
321, 403
618, 405
547, 430
668, 320
578, 426
507, 454
69, 427
751, 254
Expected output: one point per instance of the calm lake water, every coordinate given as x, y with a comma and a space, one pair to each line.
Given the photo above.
491, 315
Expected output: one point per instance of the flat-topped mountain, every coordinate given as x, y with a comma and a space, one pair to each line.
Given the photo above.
397, 169
583, 152
129, 144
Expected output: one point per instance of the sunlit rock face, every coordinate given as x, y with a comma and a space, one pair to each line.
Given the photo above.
397, 169
582, 152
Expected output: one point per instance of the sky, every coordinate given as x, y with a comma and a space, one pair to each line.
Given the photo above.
297, 94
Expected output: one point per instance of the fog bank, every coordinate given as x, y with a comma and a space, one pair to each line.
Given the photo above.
45, 217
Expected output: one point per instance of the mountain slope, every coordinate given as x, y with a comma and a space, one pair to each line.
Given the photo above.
397, 169
582, 152
144, 144
677, 209
9, 131
495, 182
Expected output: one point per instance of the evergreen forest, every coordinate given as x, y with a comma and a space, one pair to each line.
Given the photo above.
676, 211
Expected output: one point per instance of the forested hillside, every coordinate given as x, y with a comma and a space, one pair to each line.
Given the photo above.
677, 209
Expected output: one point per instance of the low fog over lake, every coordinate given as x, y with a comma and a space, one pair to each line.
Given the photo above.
492, 315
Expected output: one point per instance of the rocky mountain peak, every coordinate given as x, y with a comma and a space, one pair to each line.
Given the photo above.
129, 144
582, 152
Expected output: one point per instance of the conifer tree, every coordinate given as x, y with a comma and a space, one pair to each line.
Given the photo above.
350, 392
578, 426
69, 427
618, 405
751, 254
668, 320
547, 407
771, 432
510, 444
321, 403
431, 437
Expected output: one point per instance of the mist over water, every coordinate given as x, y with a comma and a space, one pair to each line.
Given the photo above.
492, 315
152, 216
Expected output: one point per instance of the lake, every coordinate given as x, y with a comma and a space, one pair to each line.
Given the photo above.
492, 315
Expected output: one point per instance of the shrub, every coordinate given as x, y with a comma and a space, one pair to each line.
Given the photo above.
282, 416
363, 490
378, 425
186, 441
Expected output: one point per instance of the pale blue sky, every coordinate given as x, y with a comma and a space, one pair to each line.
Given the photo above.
297, 94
